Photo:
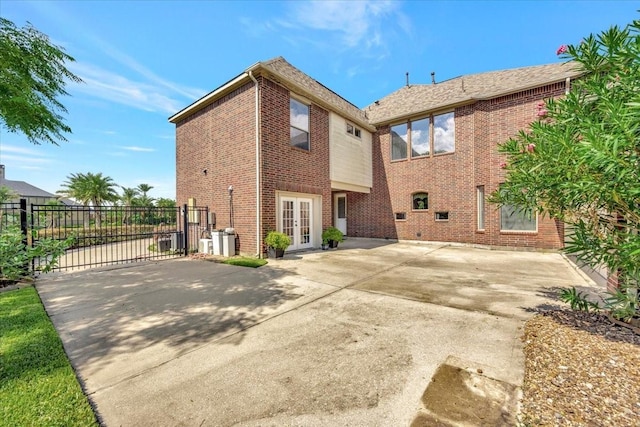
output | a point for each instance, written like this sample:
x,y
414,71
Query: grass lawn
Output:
x,y
37,384
245,262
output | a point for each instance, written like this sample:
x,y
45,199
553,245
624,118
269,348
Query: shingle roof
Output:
x,y
280,67
25,189
415,99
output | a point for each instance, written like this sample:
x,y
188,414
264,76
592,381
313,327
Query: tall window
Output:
x,y
399,142
420,141
299,121
516,219
480,206
444,133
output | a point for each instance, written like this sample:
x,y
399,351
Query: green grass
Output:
x,y
38,387
245,262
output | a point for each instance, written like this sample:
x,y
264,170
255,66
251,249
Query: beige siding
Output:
x,y
351,164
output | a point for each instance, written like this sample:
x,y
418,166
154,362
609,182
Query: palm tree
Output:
x,y
91,190
144,189
128,198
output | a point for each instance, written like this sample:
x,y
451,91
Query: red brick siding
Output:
x,y
221,139
286,168
451,180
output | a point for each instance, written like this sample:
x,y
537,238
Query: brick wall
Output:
x,y
451,180
221,139
286,168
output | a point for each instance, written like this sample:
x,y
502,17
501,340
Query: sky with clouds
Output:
x,y
142,61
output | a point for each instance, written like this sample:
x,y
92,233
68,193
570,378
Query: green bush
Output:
x,y
332,233
277,240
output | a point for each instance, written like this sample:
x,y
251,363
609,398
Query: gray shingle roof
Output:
x,y
313,88
25,189
416,99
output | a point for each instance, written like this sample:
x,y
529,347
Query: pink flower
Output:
x,y
562,49
540,105
542,113
531,148
503,165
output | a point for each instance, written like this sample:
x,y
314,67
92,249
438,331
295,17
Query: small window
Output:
x,y
401,216
420,201
357,132
299,124
480,206
442,216
349,129
516,219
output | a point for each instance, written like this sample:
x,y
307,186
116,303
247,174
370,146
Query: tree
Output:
x,y
129,197
32,76
580,162
90,189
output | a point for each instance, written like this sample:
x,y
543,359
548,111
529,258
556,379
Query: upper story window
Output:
x,y
420,141
424,137
444,133
399,141
299,121
352,130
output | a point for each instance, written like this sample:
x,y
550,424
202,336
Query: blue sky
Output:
x,y
142,61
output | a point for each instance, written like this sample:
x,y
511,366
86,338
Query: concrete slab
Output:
x,y
346,337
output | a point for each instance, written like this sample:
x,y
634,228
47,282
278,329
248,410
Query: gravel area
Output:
x,y
580,370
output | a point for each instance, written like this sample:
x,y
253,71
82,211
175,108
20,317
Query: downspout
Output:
x,y
258,189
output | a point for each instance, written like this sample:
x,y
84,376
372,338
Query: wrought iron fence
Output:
x,y
98,236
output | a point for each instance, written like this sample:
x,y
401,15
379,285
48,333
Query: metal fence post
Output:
x,y
185,225
23,220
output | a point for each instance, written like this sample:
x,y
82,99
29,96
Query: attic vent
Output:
x,y
433,77
407,73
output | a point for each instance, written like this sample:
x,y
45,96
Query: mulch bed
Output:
x,y
580,370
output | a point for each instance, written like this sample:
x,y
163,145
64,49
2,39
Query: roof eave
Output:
x,y
211,97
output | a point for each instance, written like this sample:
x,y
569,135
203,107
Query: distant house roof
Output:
x,y
414,99
25,189
279,70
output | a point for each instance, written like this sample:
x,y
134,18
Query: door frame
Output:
x,y
316,214
336,221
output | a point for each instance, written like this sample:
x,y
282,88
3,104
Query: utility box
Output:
x,y
177,241
205,246
164,245
216,237
228,243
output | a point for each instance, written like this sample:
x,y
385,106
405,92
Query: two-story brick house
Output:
x,y
415,165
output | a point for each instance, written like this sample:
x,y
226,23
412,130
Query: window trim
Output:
x,y
413,209
480,208
503,231
408,123
353,130
441,220
395,216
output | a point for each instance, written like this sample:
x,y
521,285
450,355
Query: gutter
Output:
x,y
258,171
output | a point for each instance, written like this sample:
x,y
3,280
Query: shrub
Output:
x,y
277,240
332,233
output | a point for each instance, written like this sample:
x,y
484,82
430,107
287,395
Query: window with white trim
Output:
x,y
352,130
299,124
517,219
480,206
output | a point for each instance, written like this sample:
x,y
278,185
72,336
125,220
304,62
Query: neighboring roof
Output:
x,y
25,189
282,72
414,99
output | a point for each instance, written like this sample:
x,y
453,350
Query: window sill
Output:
x,y
444,154
300,149
399,160
524,232
420,210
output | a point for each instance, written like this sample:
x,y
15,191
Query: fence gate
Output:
x,y
99,236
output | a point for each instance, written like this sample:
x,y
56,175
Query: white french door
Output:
x,y
296,221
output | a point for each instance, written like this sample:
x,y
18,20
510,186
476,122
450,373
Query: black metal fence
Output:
x,y
107,235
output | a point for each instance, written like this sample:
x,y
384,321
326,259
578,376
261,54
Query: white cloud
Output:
x,y
139,149
20,150
116,88
25,160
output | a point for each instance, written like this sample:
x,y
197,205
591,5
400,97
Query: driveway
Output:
x,y
346,337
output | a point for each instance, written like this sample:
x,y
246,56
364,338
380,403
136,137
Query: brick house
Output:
x,y
417,164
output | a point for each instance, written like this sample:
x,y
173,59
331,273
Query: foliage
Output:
x,y
245,262
577,300
332,233
89,188
7,194
623,303
580,162
38,387
16,255
32,76
277,240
